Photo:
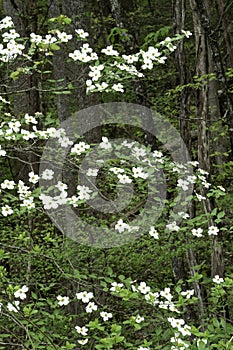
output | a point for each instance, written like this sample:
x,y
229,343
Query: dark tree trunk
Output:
x,y
206,44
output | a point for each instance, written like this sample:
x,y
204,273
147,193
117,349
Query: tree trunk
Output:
x,y
117,12
222,14
179,13
205,45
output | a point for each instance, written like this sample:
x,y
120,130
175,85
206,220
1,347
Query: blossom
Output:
x,y
82,330
109,51
200,197
6,22
152,298
28,203
173,226
91,307
197,232
96,68
62,198
183,184
84,296
12,50
90,86
14,125
166,294
191,179
187,33
202,171
130,58
61,186
185,330
213,230
139,152
176,323
9,135
23,190
105,143
124,179
49,39
142,348
65,141
153,232
148,64
74,201
83,341
81,33
118,87
11,35
116,170
80,148
35,38
116,286
92,172
218,279
13,306
2,99
83,192
222,188
94,74
21,293
128,144
62,300
179,342
30,119
63,36
53,132
6,210
106,315
101,87
164,304
143,288
137,172
47,174
2,152
139,319
121,226
86,48
188,293
27,135
48,202
183,215
82,55
33,178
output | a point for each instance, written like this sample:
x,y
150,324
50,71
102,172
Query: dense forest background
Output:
x,y
193,89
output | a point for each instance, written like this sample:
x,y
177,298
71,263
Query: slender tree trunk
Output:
x,y
205,44
179,13
222,13
117,12
226,30
24,15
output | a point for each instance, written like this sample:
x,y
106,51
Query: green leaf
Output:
x,y
54,47
221,214
15,75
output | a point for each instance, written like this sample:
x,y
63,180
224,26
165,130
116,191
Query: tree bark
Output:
x,y
206,45
226,30
117,12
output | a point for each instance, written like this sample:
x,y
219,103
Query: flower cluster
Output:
x,y
18,294
11,49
